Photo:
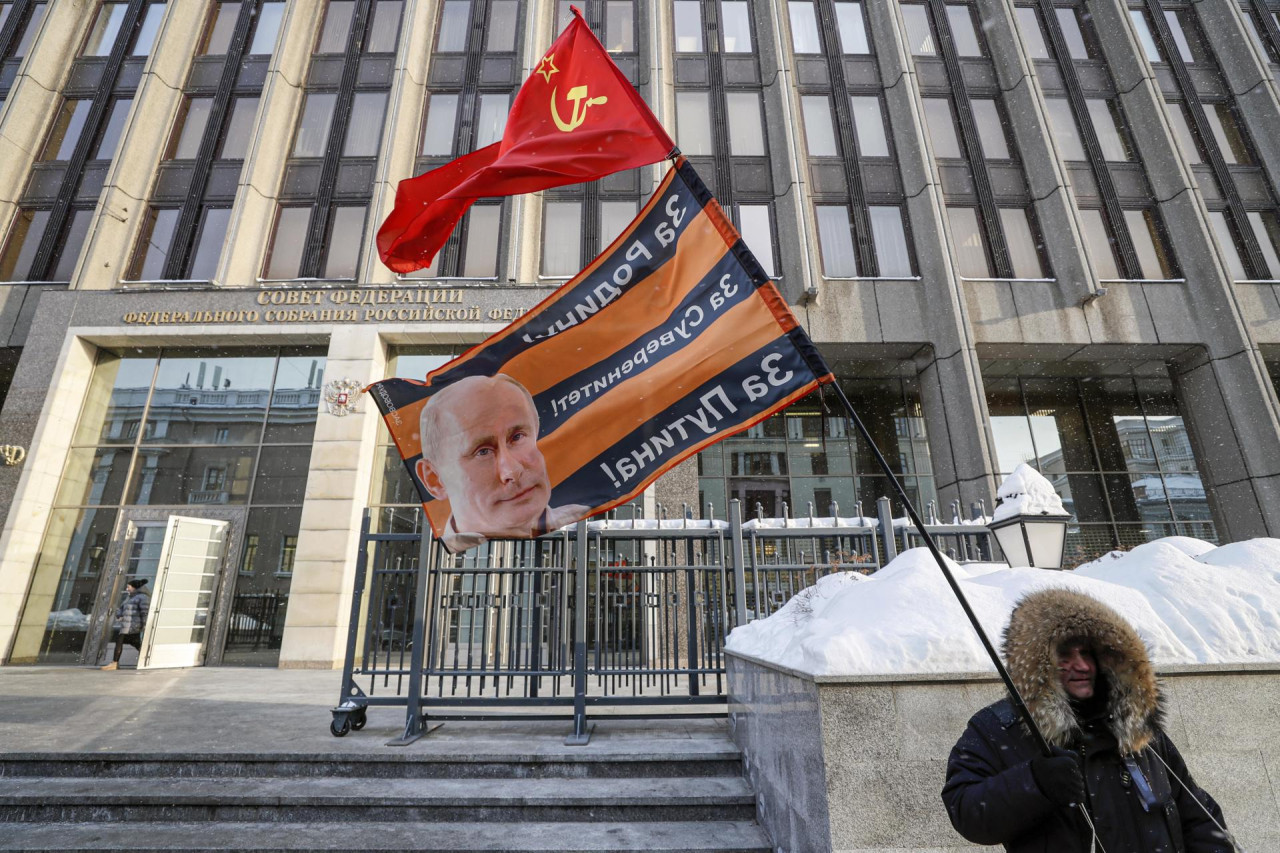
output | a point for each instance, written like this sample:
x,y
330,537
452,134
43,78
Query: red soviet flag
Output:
x,y
576,118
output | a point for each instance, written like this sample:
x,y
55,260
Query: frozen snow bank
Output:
x,y
1190,602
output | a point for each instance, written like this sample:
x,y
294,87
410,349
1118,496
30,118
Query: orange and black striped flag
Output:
x,y
671,340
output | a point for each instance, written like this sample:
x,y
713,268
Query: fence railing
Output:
x,y
630,612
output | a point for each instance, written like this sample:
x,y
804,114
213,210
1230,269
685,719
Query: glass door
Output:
x,y
186,577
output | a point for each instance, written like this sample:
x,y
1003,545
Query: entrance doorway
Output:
x,y
187,558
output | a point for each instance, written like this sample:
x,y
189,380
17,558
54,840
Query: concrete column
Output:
x,y
122,206
342,463
1226,395
951,382
254,213
34,98
40,413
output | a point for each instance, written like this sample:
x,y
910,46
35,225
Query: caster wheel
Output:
x,y
358,721
340,730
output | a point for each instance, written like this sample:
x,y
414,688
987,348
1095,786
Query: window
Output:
x,y
455,20
819,130
288,549
620,26
890,241
1148,244
962,31
561,239
804,27
1098,243
211,236
835,239
384,29
313,127
1032,35
1227,133
1182,130
503,21
364,130
757,232
251,541
110,139
66,129
235,140
868,123
28,32
266,29
437,133
919,35
220,30
693,121
1227,243
1266,228
346,234
614,217
853,28
284,256
494,109
214,478
153,249
1073,34
735,26
193,116
746,133
1142,26
1063,125
1263,45
482,231
106,25
146,37
942,127
971,254
20,249
688,24
1109,126
69,252
1024,248
1186,36
337,26
990,129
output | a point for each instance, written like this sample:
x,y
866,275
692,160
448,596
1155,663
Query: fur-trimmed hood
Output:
x,y
1044,619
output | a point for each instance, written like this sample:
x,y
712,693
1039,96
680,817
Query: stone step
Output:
x,y
740,836
50,800
704,761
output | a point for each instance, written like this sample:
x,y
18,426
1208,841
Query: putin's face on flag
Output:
x,y
480,453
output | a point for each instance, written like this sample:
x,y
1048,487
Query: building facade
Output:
x,y
1043,232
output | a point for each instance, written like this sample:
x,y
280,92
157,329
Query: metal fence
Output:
x,y
630,613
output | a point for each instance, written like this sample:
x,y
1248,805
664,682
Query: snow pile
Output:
x,y
1189,601
1027,492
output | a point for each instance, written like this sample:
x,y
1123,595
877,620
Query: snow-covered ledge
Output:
x,y
846,702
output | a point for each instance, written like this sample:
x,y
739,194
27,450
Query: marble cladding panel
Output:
x,y
859,766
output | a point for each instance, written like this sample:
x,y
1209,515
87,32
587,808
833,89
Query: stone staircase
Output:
x,y
678,796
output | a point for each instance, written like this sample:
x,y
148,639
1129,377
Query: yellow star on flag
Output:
x,y
548,67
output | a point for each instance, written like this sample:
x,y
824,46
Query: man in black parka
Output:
x,y
1086,678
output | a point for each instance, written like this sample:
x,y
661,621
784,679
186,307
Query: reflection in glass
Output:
x,y
890,241
919,35
346,232
69,252
1266,229
221,29
102,35
1182,129
117,396
1024,249
735,26
110,139
255,626
284,257
437,134
235,141
65,131
313,127
835,239
189,128
1098,241
94,476
266,29
295,400
1227,132
211,237
1227,244
688,26
1107,123
191,476
282,475
620,26
1145,38
971,254
146,38
209,398
1148,244
24,239
28,32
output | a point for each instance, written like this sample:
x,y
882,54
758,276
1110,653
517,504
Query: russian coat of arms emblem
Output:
x,y
342,397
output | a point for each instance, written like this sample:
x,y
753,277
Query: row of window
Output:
x,y
365,110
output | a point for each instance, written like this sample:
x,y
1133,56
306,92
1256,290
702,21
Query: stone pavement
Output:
x,y
74,709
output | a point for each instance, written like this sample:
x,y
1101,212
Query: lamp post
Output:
x,y
1037,540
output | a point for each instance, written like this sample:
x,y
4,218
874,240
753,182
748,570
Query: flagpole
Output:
x,y
946,572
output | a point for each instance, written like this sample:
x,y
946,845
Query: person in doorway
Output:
x,y
132,615
480,452
1088,682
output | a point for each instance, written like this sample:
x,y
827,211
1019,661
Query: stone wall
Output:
x,y
857,764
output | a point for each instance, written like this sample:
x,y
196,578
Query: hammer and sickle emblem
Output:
x,y
576,94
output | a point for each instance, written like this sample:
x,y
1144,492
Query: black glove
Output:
x,y
1059,777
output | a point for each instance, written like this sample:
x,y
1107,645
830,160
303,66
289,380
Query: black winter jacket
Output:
x,y
992,798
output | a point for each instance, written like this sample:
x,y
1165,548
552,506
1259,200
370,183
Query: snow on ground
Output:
x,y
1190,601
